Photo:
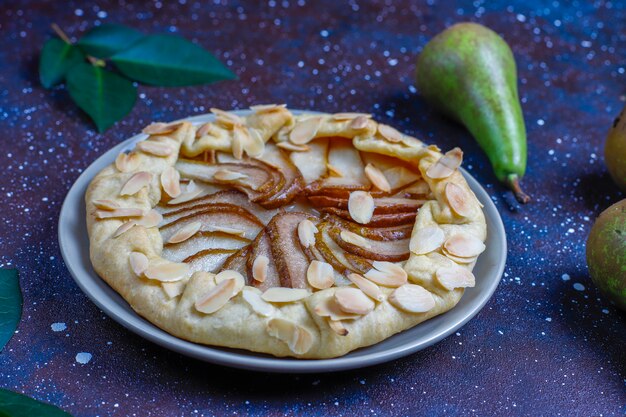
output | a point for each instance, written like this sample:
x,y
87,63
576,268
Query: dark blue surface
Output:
x,y
546,344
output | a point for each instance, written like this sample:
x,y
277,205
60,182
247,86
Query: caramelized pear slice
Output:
x,y
293,184
391,251
383,205
375,233
312,163
261,246
291,261
243,175
208,260
237,261
177,252
378,220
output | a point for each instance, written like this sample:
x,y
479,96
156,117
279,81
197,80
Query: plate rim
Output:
x,y
250,360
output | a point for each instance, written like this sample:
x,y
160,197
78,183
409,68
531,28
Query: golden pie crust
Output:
x,y
127,246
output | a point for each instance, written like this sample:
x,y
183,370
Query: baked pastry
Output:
x,y
306,236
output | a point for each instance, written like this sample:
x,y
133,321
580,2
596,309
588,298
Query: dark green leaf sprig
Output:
x,y
98,70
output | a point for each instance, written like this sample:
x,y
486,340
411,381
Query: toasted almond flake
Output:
x,y
185,232
226,274
353,300
368,287
387,274
107,205
174,289
412,298
229,119
155,148
297,337
160,128
217,297
458,259
306,233
458,199
203,130
359,123
151,219
455,277
328,307
293,147
349,116
259,268
389,133
426,240
320,275
125,227
138,263
167,271
267,108
257,304
170,181
446,165
464,245
136,182
377,178
119,213
191,192
304,131
354,239
253,145
284,295
228,175
337,327
237,142
361,206
227,230
127,162
333,171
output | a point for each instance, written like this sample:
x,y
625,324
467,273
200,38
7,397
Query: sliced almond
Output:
x,y
333,171
412,298
306,233
328,307
284,295
138,263
458,199
173,289
455,277
389,133
170,181
237,142
446,165
338,327
227,274
257,304
107,205
293,147
458,259
127,162
226,118
160,128
426,240
359,122
259,268
124,228
354,239
167,271
353,300
227,230
155,148
216,298
361,206
297,337
349,116
305,131
377,178
136,182
228,175
151,219
185,232
267,108
320,275
368,287
464,245
203,130
387,274
191,192
119,213
254,145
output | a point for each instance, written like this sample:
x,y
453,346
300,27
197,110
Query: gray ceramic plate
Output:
x,y
74,245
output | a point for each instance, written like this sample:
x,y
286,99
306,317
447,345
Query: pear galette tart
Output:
x,y
306,236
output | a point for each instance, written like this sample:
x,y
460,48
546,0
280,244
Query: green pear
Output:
x,y
469,73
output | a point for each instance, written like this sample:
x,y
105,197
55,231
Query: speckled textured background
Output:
x,y
546,344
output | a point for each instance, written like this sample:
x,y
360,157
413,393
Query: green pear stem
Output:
x,y
512,181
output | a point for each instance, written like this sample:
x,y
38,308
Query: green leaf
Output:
x,y
106,40
13,404
105,96
57,57
10,304
170,61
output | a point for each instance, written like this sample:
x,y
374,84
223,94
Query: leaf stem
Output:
x,y
60,33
